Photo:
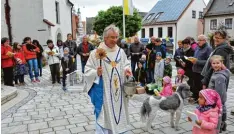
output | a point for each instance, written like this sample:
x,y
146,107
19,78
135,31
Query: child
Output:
x,y
150,63
167,67
66,63
20,68
219,82
143,60
140,74
208,112
52,54
159,69
167,87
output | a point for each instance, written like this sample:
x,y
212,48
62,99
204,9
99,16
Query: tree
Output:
x,y
114,15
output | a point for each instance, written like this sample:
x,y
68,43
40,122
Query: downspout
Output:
x,y
8,19
174,48
71,21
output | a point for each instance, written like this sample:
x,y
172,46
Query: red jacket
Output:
x,y
6,60
29,54
21,56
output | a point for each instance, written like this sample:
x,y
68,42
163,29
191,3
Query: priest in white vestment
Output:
x,y
104,80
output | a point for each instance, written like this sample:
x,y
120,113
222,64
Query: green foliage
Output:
x,y
114,15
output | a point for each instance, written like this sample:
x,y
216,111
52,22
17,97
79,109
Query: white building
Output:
x,y
218,13
176,19
38,19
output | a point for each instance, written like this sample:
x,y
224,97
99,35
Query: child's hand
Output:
x,y
67,69
189,119
199,122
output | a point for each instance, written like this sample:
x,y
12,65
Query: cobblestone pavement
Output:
x,y
53,111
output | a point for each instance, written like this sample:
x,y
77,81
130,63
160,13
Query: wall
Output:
x,y
220,19
65,18
4,31
200,26
187,26
26,19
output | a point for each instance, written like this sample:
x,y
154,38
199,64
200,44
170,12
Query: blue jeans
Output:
x,y
133,66
150,75
39,60
83,63
33,64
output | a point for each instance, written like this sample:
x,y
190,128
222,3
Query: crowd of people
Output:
x,y
198,64
28,57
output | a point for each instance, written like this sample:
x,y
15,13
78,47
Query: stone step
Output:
x,y
8,93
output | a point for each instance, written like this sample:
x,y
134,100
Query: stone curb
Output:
x,y
8,94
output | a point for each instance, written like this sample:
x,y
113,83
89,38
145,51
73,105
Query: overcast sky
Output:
x,y
90,8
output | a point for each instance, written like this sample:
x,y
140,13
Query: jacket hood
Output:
x,y
225,72
226,48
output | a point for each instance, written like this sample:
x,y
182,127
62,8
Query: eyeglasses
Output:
x,y
200,40
114,37
217,38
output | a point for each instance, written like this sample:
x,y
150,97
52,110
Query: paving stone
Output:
x,y
138,125
77,120
37,126
56,114
39,120
77,130
14,129
19,114
4,125
230,128
25,118
137,131
56,123
29,122
33,113
87,132
39,116
82,124
46,130
7,120
168,130
15,123
48,119
71,126
49,133
63,132
186,126
90,127
59,128
34,132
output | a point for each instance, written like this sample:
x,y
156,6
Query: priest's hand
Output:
x,y
99,71
128,72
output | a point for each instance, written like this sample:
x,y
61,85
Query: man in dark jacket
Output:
x,y
136,50
178,53
150,63
201,54
84,50
72,49
158,47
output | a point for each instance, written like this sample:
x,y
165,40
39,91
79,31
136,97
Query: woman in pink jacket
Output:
x,y
208,112
167,87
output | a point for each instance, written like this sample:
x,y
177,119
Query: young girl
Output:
x,y
20,68
159,69
167,87
140,74
66,63
208,112
219,82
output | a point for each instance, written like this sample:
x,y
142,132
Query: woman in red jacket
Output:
x,y
7,61
30,52
20,68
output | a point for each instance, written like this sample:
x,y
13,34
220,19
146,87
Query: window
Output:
x,y
200,15
142,33
156,17
57,12
194,14
169,31
228,23
160,32
149,16
213,24
151,32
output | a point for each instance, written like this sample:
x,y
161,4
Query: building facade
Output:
x,y
38,19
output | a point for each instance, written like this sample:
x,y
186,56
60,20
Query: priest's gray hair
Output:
x,y
109,28
202,36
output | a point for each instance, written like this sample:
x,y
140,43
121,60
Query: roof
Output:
x,y
142,14
48,22
70,2
219,7
166,11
